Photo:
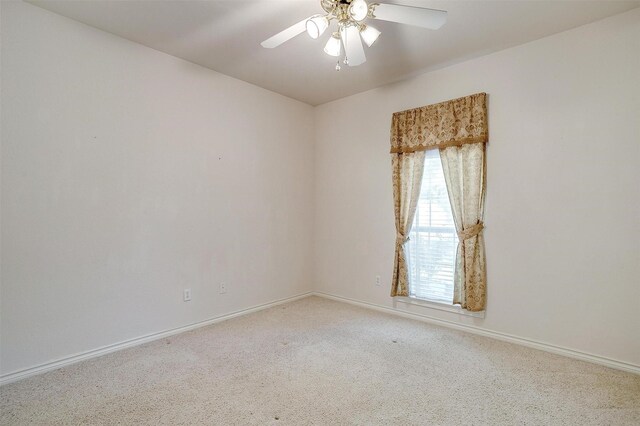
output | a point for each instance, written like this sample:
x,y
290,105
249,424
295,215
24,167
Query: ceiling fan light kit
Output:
x,y
351,31
358,10
369,34
334,45
317,25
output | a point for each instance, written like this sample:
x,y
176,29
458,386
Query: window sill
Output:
x,y
439,306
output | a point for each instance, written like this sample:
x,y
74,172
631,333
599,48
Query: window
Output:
x,y
431,249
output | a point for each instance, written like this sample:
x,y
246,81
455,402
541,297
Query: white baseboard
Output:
x,y
72,359
571,353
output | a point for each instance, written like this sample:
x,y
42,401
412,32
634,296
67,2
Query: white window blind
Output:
x,y
431,249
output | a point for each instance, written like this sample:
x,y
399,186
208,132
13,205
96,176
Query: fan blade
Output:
x,y
285,35
352,45
420,17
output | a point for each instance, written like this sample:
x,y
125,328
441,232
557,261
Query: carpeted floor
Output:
x,y
321,362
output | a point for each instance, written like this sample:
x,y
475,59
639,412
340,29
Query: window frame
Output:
x,y
440,306
442,228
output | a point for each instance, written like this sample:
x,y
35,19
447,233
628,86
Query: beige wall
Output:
x,y
129,175
563,201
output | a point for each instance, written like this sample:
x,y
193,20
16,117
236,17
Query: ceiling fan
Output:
x,y
351,30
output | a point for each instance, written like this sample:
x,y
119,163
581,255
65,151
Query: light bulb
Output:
x,y
316,25
333,47
369,34
358,10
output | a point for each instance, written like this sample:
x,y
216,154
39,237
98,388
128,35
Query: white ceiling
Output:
x,y
225,35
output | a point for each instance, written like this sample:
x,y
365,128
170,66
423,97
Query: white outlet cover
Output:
x,y
223,288
186,294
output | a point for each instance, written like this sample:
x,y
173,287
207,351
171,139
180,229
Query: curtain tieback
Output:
x,y
471,232
401,239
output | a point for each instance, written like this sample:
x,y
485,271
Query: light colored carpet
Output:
x,y
316,361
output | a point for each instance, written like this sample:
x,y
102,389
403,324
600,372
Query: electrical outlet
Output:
x,y
223,287
378,280
186,295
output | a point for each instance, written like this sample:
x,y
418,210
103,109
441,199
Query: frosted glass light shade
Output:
x,y
369,35
358,10
317,25
333,46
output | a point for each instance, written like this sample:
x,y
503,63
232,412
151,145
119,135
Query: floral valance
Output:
x,y
455,122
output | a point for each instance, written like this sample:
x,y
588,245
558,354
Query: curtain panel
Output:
x,y
458,129
464,173
407,180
